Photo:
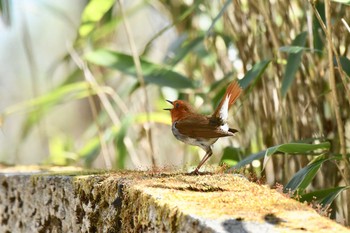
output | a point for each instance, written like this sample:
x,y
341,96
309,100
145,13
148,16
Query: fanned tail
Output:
x,y
232,93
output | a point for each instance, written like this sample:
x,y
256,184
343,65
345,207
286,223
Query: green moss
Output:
x,y
147,213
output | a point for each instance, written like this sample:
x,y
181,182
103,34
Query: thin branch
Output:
x,y
332,81
106,104
328,30
269,25
104,148
104,100
140,77
127,141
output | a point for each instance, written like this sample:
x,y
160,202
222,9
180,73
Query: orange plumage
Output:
x,y
203,131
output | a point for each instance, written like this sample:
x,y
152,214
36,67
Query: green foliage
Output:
x,y
297,49
304,176
345,63
60,148
219,88
325,197
119,142
183,49
40,106
247,160
302,179
92,14
153,73
219,15
90,151
292,148
5,12
117,135
254,74
293,61
288,148
231,156
316,27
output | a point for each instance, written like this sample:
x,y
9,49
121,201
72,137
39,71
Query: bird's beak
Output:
x,y
171,102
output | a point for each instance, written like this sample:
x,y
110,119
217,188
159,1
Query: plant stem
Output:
x,y
140,77
341,71
336,106
104,147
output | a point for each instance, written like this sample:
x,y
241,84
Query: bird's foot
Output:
x,y
195,172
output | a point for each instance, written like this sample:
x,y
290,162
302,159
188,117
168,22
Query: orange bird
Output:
x,y
203,131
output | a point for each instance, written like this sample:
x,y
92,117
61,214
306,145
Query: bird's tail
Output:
x,y
232,93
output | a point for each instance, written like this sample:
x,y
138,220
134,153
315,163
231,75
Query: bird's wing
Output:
x,y
198,126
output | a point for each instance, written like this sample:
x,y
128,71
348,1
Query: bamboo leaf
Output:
x,y
345,63
300,148
219,88
297,49
67,92
222,11
188,11
297,148
317,32
119,142
231,156
292,49
247,160
254,73
285,148
182,49
293,63
153,73
38,107
304,176
93,13
325,196
110,25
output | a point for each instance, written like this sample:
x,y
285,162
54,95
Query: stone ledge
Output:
x,y
49,201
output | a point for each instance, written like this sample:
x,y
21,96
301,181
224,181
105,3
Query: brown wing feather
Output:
x,y
198,126
234,90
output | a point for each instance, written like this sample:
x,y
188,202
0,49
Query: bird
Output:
x,y
203,131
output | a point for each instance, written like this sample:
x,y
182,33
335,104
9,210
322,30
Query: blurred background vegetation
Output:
x,y
84,83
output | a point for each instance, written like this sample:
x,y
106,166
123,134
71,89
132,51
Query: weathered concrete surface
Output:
x,y
46,201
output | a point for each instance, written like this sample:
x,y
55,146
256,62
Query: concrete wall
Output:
x,y
39,200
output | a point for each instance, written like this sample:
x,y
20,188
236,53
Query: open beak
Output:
x,y
171,102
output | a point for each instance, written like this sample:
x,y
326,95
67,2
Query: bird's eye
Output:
x,y
177,105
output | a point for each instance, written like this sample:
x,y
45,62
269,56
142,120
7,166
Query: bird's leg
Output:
x,y
205,158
